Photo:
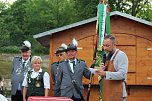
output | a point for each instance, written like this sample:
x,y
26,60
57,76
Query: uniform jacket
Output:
x,y
54,73
67,88
121,67
18,73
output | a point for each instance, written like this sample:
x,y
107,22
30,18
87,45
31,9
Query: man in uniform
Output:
x,y
72,71
20,66
115,71
61,56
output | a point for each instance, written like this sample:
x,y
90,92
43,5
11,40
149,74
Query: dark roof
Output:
x,y
45,35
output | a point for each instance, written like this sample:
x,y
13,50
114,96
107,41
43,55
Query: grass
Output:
x,y
5,69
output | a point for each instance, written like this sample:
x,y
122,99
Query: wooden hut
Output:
x,y
134,37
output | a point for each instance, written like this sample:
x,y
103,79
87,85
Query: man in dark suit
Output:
x,y
61,56
20,66
73,70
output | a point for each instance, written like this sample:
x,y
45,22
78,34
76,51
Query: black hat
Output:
x,y
71,47
26,45
60,50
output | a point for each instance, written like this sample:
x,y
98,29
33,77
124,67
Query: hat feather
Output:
x,y
27,44
64,45
74,41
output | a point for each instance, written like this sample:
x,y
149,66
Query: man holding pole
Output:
x,y
114,71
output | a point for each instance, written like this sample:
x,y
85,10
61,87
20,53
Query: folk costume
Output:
x,y
19,70
72,71
55,70
36,82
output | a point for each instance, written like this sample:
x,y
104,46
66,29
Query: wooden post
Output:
x,y
51,92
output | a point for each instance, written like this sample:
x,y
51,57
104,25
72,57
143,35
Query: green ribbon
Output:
x,y
103,27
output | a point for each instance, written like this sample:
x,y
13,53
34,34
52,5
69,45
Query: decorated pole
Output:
x,y
103,27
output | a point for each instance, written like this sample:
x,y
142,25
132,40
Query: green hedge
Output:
x,y
9,49
36,49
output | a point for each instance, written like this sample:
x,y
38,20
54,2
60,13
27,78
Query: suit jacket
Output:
x,y
18,73
54,73
67,88
121,67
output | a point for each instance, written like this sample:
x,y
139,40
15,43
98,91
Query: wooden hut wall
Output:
x,y
134,38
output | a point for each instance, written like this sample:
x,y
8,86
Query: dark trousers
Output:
x,y
2,90
18,96
76,99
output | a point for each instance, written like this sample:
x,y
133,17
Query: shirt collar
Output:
x,y
72,60
40,70
25,60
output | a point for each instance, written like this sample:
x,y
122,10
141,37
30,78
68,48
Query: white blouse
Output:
x,y
46,78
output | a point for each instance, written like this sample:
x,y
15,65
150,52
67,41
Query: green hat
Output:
x,y
71,47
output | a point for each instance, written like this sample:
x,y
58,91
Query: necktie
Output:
x,y
73,62
23,65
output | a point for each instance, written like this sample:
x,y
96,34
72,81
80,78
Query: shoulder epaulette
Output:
x,y
53,63
18,58
62,61
79,60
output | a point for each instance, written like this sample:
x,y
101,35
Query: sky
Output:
x,y
10,1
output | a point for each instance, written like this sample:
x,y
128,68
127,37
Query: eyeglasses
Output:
x,y
106,45
59,55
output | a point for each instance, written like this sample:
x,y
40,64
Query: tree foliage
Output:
x,y
24,18
4,33
139,8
